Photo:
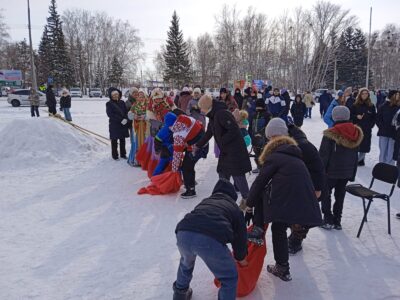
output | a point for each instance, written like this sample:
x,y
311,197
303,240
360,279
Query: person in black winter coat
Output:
x,y
298,111
316,169
204,232
339,154
324,101
386,130
284,191
363,114
51,101
65,104
285,95
118,120
257,130
395,96
239,98
234,160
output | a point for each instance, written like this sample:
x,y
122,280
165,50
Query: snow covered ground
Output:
x,y
73,227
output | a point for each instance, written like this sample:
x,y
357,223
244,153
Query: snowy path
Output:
x,y
77,230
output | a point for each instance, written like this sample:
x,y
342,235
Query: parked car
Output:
x,y
318,93
75,92
95,92
21,98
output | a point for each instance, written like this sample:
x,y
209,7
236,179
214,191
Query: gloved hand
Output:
x,y
248,216
124,121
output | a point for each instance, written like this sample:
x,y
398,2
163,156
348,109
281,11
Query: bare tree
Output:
x,y
205,60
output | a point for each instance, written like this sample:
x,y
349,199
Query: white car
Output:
x,y
75,92
95,92
21,98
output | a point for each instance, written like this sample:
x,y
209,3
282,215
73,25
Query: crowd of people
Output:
x,y
296,182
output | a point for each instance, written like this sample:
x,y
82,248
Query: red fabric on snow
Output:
x,y
165,183
248,276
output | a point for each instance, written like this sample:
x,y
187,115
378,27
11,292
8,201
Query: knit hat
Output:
x,y
340,113
260,103
340,93
223,90
185,89
276,127
224,186
197,91
392,93
205,102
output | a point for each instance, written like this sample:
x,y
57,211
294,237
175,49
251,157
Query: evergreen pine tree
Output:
x,y
116,70
98,77
352,58
54,59
176,55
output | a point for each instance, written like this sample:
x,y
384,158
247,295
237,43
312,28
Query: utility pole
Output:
x,y
33,72
369,48
335,75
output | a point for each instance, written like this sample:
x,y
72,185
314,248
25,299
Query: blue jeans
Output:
x,y
386,148
308,112
67,114
134,142
216,256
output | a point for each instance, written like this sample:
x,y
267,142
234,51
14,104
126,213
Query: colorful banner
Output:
x,y
239,84
10,75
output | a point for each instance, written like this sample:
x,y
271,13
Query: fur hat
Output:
x,y
223,90
205,102
276,127
197,91
340,113
133,90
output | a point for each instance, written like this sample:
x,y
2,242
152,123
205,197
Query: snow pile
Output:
x,y
42,141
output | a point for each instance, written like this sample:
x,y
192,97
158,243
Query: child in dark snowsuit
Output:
x,y
339,154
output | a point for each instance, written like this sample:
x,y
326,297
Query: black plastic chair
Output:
x,y
382,172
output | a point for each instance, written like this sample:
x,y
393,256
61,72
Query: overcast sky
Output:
x,y
152,17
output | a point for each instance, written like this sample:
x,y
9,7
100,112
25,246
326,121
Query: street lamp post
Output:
x,y
369,48
33,72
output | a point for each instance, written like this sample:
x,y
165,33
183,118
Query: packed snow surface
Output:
x,y
73,227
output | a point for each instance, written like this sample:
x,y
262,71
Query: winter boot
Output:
x,y
361,163
182,294
280,271
328,222
256,235
190,193
294,245
336,223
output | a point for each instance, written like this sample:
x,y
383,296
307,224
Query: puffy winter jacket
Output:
x,y
276,106
366,123
291,198
384,120
339,150
219,217
65,102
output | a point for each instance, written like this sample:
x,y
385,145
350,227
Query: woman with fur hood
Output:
x,y
339,154
282,194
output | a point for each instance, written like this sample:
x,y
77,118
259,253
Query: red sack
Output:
x,y
165,183
248,276
144,154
